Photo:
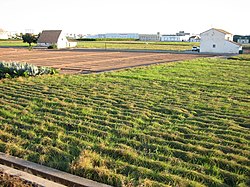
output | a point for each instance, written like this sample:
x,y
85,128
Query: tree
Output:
x,y
29,38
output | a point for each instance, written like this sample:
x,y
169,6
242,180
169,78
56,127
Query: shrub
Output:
x,y
15,69
53,46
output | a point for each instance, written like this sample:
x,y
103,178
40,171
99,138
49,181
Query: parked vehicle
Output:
x,y
195,48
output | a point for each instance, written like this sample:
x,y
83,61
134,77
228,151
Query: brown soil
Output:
x,y
86,61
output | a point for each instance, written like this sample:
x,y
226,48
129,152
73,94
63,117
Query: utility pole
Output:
x,y
105,42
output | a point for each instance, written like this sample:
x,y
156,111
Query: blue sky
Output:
x,y
140,16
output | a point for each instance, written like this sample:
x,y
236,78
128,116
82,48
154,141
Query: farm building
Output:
x,y
54,37
150,37
3,34
218,41
174,38
115,36
195,38
178,37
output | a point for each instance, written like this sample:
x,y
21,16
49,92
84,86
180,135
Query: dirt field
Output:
x,y
86,61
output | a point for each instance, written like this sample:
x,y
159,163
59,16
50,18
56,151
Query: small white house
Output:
x,y
218,41
194,38
54,37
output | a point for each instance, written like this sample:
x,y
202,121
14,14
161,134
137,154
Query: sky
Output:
x,y
125,16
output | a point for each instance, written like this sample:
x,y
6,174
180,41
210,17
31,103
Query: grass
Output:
x,y
241,57
14,43
178,124
246,46
176,46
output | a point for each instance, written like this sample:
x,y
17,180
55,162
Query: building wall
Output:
x,y
115,35
122,35
194,40
149,37
170,38
174,38
44,44
62,42
243,41
213,41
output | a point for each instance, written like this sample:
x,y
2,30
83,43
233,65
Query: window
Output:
x,y
214,45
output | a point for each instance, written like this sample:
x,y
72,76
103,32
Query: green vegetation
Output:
x,y
244,57
53,46
15,69
14,43
172,46
176,46
29,38
179,124
246,46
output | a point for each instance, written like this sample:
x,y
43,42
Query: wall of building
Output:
x,y
213,41
174,38
243,41
115,35
149,37
62,41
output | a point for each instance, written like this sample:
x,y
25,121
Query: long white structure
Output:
x,y
181,36
115,36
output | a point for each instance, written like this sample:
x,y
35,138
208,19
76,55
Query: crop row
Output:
x,y
180,124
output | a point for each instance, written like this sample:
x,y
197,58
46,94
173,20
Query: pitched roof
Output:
x,y
49,36
234,42
219,30
222,31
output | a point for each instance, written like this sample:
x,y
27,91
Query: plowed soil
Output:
x,y
88,61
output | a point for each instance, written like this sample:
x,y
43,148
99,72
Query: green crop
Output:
x,y
178,124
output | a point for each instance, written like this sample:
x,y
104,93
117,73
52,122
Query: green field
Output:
x,y
179,124
13,43
176,46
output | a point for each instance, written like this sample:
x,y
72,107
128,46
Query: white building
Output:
x,y
194,38
3,34
174,38
218,41
123,35
150,37
244,40
54,37
114,36
178,37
